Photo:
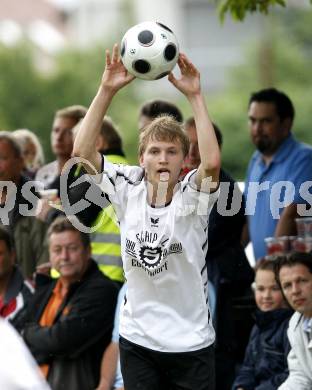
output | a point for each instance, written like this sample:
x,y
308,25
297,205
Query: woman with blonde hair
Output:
x,y
32,151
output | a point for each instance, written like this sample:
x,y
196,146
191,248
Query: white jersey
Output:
x,y
18,369
163,251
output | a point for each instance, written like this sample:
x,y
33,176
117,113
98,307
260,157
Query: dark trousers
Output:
x,y
145,369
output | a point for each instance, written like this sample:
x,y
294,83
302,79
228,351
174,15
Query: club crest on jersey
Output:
x,y
150,257
154,222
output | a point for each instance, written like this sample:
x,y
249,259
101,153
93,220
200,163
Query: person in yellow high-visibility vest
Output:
x,y
105,240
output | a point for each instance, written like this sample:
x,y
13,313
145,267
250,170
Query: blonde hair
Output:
x,y
76,112
25,136
163,128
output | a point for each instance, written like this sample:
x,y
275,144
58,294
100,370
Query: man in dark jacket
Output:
x,y
228,268
70,320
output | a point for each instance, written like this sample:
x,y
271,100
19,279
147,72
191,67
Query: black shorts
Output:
x,y
145,369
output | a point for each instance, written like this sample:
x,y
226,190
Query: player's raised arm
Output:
x,y
189,85
115,77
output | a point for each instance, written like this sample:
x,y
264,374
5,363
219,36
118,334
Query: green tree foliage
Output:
x,y
21,90
238,9
29,99
282,60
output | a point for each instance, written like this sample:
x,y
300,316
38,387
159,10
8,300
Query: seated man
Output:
x,y
294,274
15,292
71,318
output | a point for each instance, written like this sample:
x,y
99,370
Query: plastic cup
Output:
x,y
276,246
298,245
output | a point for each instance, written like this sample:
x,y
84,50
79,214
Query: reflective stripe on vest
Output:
x,y
98,237
110,260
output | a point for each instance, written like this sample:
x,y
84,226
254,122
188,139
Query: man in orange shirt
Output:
x,y
71,318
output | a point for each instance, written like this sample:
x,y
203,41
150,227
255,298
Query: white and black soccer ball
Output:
x,y
149,50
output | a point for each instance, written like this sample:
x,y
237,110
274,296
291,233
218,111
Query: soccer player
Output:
x,y
166,332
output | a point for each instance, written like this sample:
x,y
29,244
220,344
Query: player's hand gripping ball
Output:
x,y
149,50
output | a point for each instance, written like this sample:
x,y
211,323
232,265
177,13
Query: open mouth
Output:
x,y
163,174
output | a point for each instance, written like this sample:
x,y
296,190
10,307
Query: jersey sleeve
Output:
x,y
115,180
199,200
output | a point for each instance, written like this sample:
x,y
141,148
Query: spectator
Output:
x,y
61,143
27,231
31,151
15,292
62,146
265,363
294,273
228,269
279,158
151,110
69,323
18,370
